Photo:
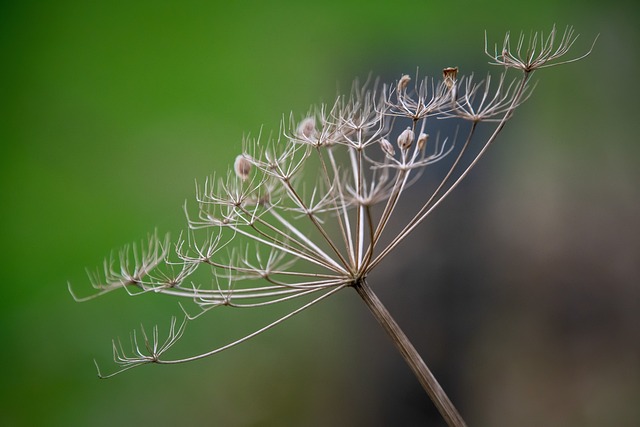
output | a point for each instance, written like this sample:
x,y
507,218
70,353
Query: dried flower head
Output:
x,y
540,52
294,219
307,127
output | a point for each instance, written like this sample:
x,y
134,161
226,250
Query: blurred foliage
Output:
x,y
110,110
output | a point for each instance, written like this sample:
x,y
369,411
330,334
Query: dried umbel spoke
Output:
x,y
300,217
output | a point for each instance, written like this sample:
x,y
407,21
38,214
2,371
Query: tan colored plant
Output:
x,y
272,234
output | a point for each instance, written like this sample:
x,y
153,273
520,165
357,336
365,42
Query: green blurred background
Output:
x,y
521,293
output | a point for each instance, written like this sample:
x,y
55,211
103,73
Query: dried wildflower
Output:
x,y
295,229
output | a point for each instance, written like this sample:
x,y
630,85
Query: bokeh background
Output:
x,y
521,292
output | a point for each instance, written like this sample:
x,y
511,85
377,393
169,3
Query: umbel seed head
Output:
x,y
299,218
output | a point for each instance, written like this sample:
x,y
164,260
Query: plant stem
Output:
x,y
410,354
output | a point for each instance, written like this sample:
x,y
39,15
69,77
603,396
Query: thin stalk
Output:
x,y
410,355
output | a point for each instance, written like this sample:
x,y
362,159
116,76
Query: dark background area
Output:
x,y
521,291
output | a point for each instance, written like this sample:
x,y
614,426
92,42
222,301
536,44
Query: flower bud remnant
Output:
x,y
405,139
242,167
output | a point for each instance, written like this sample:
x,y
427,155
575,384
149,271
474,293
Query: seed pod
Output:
x,y
422,141
403,83
387,147
405,139
449,76
307,128
242,167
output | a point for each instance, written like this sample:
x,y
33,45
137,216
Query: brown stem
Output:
x,y
410,355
